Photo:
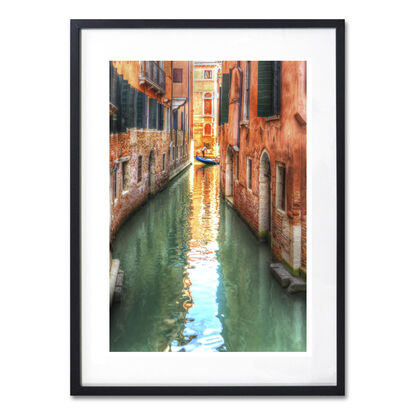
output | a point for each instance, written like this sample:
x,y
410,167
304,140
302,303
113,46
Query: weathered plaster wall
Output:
x,y
284,140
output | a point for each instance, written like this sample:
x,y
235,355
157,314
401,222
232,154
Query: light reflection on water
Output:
x,y
196,279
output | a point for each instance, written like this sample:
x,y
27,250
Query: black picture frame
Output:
x,y
76,387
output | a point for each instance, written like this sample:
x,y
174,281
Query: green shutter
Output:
x,y
135,109
141,110
160,117
152,121
276,90
225,98
265,88
125,104
118,103
132,92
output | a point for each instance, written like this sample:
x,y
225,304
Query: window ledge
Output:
x,y
244,123
124,192
272,118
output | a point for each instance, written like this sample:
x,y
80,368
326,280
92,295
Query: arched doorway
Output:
x,y
229,173
264,208
151,173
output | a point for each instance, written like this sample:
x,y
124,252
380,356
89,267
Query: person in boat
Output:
x,y
203,151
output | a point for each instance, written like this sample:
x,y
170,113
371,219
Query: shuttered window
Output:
x,y
269,88
224,107
131,112
141,110
125,105
152,115
160,117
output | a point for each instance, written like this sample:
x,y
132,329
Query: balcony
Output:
x,y
152,76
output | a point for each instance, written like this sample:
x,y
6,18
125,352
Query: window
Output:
x,y
139,169
164,161
175,120
269,88
207,103
140,110
249,173
207,129
125,175
181,121
207,74
247,85
160,110
224,104
177,75
280,194
152,113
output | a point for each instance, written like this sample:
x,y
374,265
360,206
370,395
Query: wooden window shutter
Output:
x,y
124,105
225,98
276,88
160,116
152,121
135,109
131,107
141,110
265,88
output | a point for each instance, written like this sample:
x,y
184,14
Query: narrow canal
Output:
x,y
197,279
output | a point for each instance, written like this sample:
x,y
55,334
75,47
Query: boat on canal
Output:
x,y
208,160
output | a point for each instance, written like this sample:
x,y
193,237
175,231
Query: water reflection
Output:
x,y
198,280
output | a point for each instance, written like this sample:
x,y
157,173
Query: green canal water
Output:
x,y
197,279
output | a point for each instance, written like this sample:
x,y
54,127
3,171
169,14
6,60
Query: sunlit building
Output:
x,y
205,107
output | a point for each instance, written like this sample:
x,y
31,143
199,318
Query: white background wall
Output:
x,y
34,304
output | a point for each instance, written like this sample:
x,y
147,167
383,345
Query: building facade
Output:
x,y
145,152
262,136
182,124
206,95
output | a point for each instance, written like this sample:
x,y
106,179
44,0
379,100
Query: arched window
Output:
x,y
207,129
207,103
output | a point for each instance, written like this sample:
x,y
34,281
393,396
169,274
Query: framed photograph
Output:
x,y
207,207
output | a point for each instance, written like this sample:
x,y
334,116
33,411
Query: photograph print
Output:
x,y
208,202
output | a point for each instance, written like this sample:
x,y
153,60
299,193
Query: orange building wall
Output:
x,y
284,140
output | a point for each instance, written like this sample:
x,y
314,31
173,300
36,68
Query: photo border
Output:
x,y
76,387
